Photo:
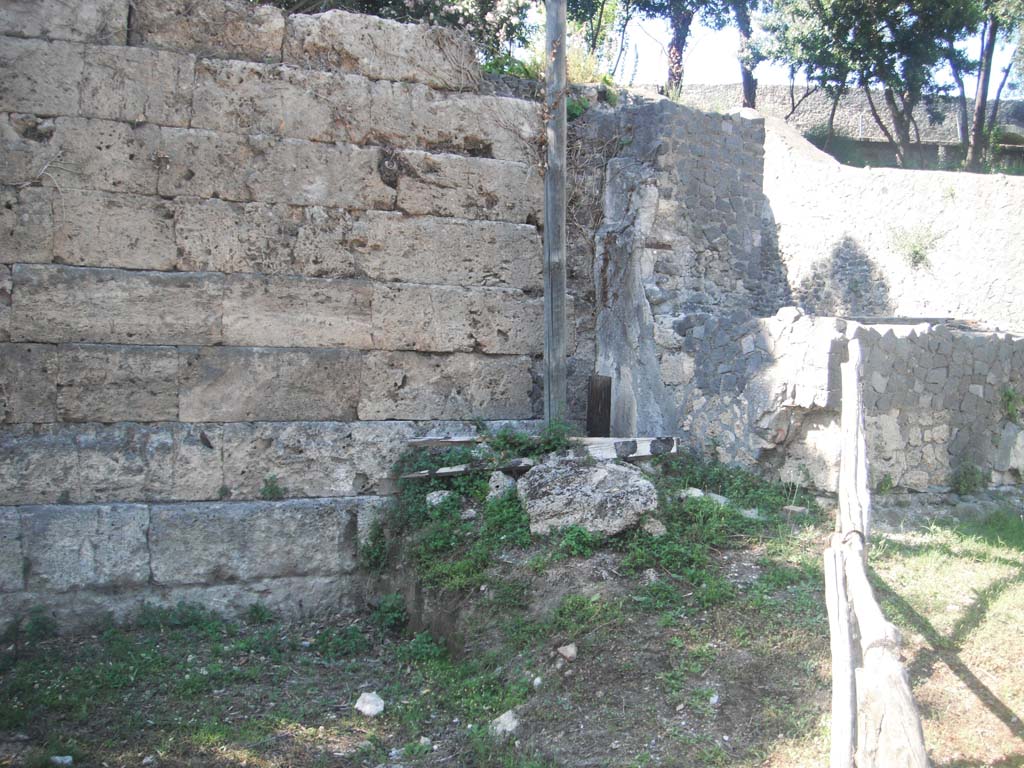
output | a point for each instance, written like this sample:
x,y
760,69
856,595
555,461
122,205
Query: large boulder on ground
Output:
x,y
604,498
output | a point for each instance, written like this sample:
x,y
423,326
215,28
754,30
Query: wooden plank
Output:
x,y
599,406
854,493
554,218
889,733
844,697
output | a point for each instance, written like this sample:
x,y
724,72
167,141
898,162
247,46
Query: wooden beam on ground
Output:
x,y
555,346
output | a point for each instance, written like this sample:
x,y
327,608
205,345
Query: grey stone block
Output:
x,y
38,464
289,598
93,21
404,385
382,49
137,85
101,229
73,547
26,225
297,312
56,304
28,383
5,302
107,383
12,564
268,384
213,543
41,78
232,29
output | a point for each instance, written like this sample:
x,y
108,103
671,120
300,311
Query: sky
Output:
x,y
710,57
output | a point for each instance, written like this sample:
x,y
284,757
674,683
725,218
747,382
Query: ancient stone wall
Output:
x,y
885,242
236,245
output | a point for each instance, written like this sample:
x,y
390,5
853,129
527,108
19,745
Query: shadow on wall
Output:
x,y
846,283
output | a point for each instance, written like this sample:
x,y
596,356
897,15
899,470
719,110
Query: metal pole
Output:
x,y
554,218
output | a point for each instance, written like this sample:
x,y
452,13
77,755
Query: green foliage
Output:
x,y
575,107
258,613
967,478
373,554
181,616
390,614
658,596
577,615
334,643
224,493
507,64
885,485
577,541
39,625
1013,404
271,490
914,244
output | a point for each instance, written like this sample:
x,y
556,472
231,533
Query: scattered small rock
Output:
x,y
717,498
654,527
149,760
650,576
505,725
62,760
537,683
498,483
425,742
568,652
370,704
468,514
751,514
438,497
691,493
713,701
794,509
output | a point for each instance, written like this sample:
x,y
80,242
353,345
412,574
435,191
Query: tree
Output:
x,y
680,15
749,55
887,48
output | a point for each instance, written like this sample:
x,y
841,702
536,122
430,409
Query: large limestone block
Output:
x,y
270,239
449,318
26,225
469,187
408,385
92,21
101,229
144,462
5,302
41,77
72,547
1010,452
267,169
393,247
268,384
12,573
54,303
79,153
604,498
382,49
38,464
297,312
28,383
231,29
138,85
293,597
246,541
107,383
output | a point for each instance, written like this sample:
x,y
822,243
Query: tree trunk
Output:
x,y
680,22
962,127
978,138
830,134
742,14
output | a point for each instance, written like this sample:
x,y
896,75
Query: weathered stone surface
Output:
x,y
137,85
38,464
28,383
404,385
242,97
77,611
289,598
258,237
297,312
604,498
382,49
1010,453
499,483
447,318
93,21
100,229
41,77
99,546
268,384
469,187
107,383
146,462
263,168
26,225
424,249
5,302
54,303
247,541
232,29
79,153
11,563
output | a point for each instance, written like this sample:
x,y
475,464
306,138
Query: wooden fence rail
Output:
x,y
875,722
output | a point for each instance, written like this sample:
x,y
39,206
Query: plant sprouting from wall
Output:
x,y
1013,404
914,244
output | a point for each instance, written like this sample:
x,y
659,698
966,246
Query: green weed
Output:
x,y
333,643
577,541
1013,404
966,479
271,489
390,614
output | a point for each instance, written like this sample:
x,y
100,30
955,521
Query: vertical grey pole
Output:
x,y
554,218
